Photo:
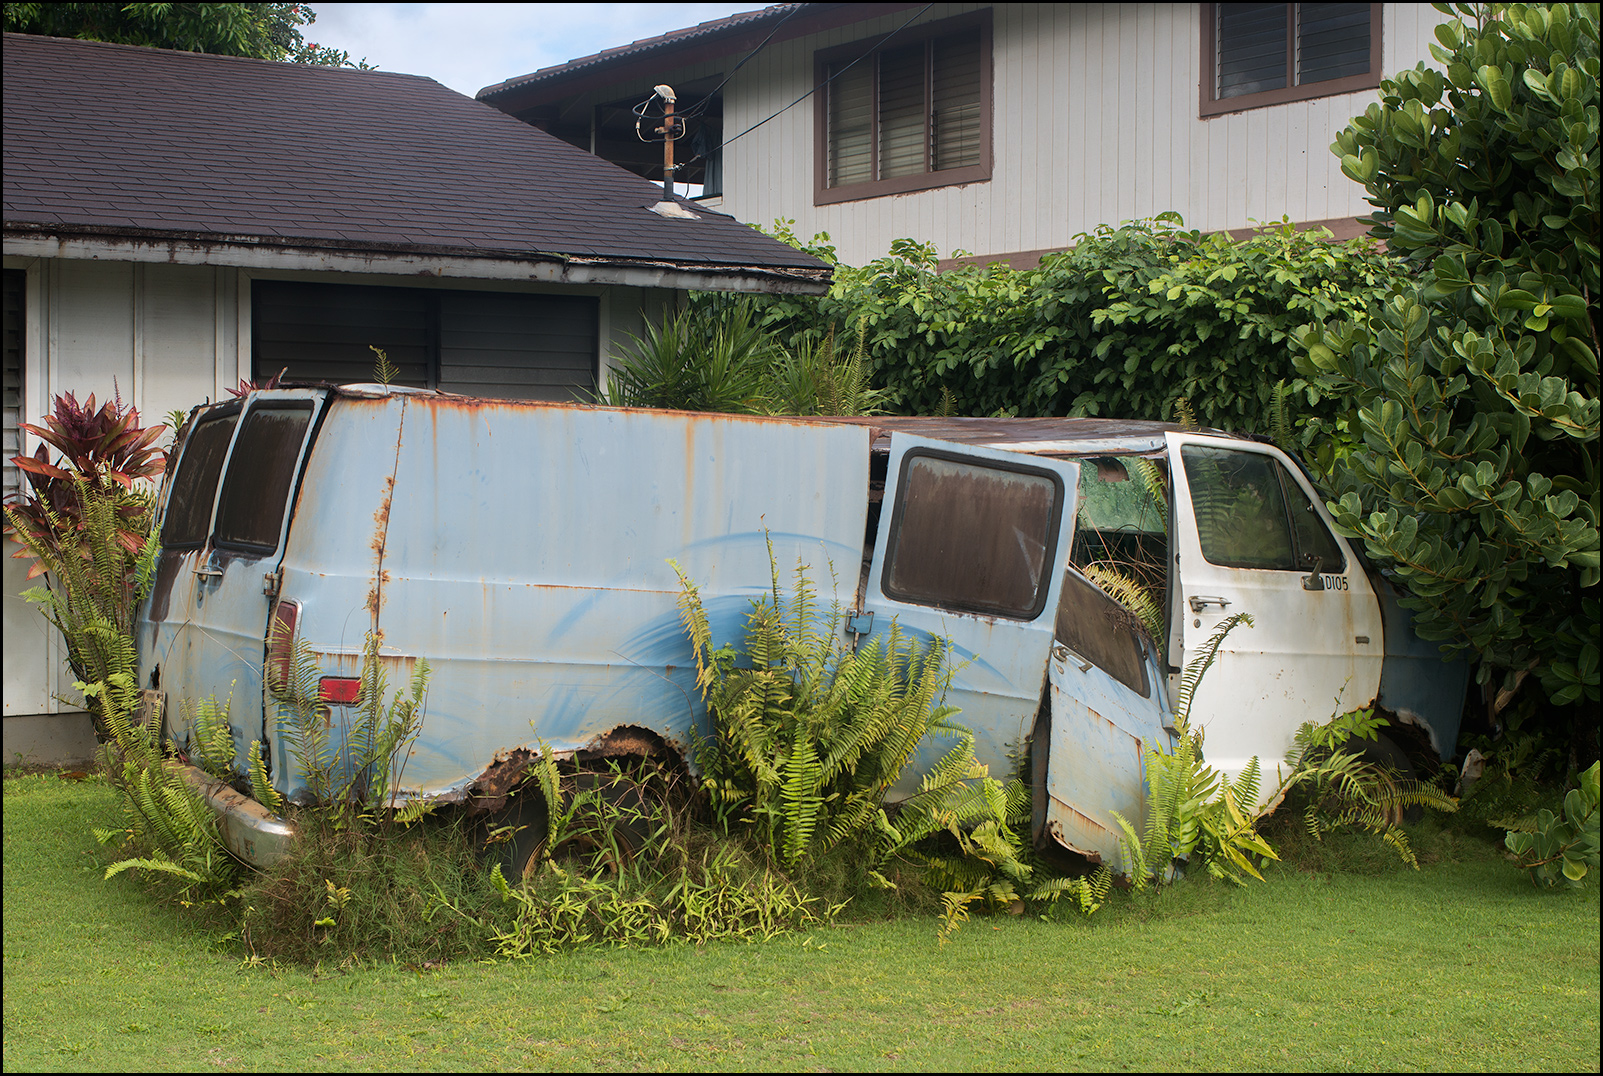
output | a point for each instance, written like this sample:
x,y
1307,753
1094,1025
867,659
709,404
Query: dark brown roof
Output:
x,y
651,57
674,39
123,140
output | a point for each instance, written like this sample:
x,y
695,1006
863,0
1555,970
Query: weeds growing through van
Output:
x,y
351,758
1190,807
624,863
809,734
171,832
1343,787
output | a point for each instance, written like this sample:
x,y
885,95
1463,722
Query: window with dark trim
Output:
x,y
1103,632
1270,54
508,345
973,535
907,113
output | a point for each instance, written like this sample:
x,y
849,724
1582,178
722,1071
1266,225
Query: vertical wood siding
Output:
x,y
1095,123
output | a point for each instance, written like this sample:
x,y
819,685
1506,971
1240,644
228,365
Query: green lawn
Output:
x,y
1459,966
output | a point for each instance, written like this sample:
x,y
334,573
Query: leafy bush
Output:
x,y
717,356
1472,393
1124,324
86,524
1559,846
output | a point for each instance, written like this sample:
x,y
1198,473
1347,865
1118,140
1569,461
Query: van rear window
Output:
x,y
973,535
189,505
250,513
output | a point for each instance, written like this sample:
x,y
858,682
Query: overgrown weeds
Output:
x,y
809,735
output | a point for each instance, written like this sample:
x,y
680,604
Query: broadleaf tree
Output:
x,y
262,31
1473,391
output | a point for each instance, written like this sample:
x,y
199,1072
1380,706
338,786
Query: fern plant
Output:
x,y
810,735
363,766
100,563
170,829
1190,807
1344,787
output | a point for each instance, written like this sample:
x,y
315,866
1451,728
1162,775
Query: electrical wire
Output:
x,y
701,106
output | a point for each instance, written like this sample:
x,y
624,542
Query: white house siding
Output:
x,y
1095,122
165,337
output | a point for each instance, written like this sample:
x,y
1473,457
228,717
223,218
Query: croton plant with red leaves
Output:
x,y
104,446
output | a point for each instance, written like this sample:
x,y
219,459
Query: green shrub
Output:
x,y
1472,392
1126,323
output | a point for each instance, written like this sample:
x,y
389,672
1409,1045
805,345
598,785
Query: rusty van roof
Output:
x,y
1038,436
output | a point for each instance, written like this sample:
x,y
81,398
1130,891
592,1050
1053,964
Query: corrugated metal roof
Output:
x,y
745,20
119,140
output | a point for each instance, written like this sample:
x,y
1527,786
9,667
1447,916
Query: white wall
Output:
x,y
1095,122
166,337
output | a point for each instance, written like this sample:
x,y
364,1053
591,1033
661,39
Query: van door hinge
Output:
x,y
859,624
271,581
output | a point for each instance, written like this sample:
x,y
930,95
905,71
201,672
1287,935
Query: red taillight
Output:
x,y
339,689
281,645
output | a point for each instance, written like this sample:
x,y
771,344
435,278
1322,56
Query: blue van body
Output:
x,y
526,552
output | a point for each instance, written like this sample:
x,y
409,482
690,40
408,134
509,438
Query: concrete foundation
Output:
x,y
49,739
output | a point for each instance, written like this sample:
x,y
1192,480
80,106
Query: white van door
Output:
x,y
971,547
1252,536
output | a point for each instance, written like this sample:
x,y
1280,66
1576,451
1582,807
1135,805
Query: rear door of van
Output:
x,y
223,532
971,547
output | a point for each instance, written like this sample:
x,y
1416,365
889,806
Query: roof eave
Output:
x,y
98,243
648,59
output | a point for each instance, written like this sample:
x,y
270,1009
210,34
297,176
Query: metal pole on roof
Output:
x,y
668,134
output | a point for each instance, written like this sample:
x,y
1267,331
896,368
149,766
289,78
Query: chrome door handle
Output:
x,y
208,572
1201,602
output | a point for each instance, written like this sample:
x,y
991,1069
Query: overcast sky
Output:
x,y
470,46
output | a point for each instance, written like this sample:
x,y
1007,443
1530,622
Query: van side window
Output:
x,y
189,505
1103,632
1251,514
250,513
1313,537
973,536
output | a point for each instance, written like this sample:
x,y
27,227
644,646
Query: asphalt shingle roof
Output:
x,y
137,140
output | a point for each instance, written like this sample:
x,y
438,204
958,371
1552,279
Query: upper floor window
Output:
x,y
1270,54
909,114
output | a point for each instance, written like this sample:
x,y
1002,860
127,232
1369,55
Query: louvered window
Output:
x,y
507,345
906,114
1267,54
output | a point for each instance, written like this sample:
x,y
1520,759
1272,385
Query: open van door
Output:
x,y
971,546
1252,536
222,540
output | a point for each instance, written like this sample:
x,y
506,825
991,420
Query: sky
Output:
x,y
470,46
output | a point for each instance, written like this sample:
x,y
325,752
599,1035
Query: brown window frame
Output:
x,y
1219,106
823,193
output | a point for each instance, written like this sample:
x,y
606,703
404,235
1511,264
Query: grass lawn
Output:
x,y
1459,966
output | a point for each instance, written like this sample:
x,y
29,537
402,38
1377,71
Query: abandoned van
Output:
x,y
523,550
